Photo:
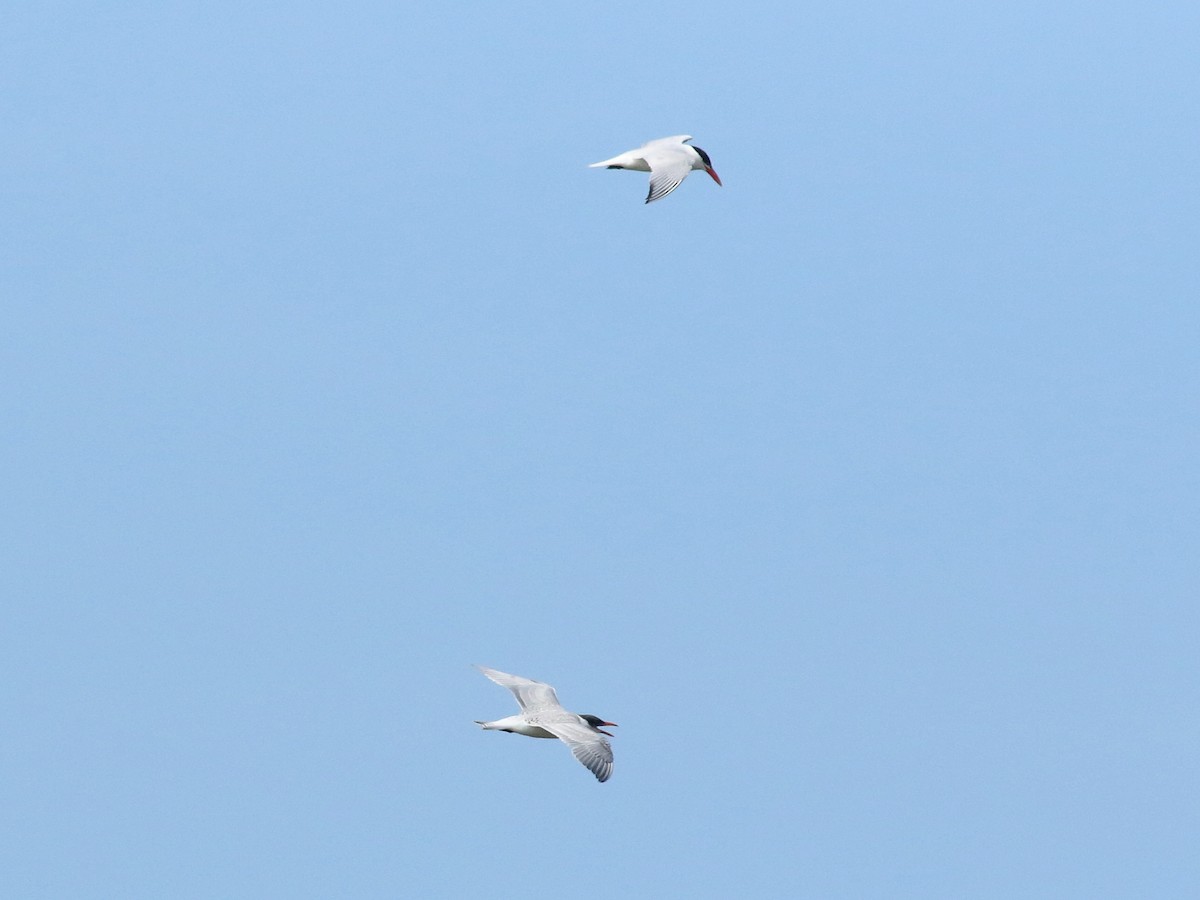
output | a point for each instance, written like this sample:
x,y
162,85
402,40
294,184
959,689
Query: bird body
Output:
x,y
668,160
542,716
516,725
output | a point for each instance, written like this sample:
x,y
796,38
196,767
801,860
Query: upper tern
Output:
x,y
668,160
542,716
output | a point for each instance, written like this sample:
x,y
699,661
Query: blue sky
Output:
x,y
862,492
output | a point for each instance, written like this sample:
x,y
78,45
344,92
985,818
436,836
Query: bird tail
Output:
x,y
480,724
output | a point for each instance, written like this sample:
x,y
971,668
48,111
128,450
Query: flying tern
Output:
x,y
668,160
542,716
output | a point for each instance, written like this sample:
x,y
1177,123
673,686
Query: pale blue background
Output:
x,y
862,492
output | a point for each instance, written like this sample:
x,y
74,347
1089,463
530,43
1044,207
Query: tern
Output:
x,y
668,160
542,716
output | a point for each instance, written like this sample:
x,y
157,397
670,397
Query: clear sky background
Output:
x,y
862,492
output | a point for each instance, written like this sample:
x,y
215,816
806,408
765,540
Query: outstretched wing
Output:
x,y
531,695
665,178
590,748
669,163
674,141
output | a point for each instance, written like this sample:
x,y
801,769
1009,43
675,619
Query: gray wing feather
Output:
x,y
660,186
530,694
673,141
591,749
667,172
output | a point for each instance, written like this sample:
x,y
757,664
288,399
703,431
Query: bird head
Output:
x,y
707,164
596,722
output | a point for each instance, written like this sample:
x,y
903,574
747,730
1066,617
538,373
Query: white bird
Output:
x,y
668,160
542,716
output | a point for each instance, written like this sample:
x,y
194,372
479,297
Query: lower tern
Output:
x,y
542,716
668,160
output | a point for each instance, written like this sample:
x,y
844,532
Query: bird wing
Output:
x,y
673,141
668,168
590,748
531,695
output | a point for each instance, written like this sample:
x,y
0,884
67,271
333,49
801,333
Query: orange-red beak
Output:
x,y
710,171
